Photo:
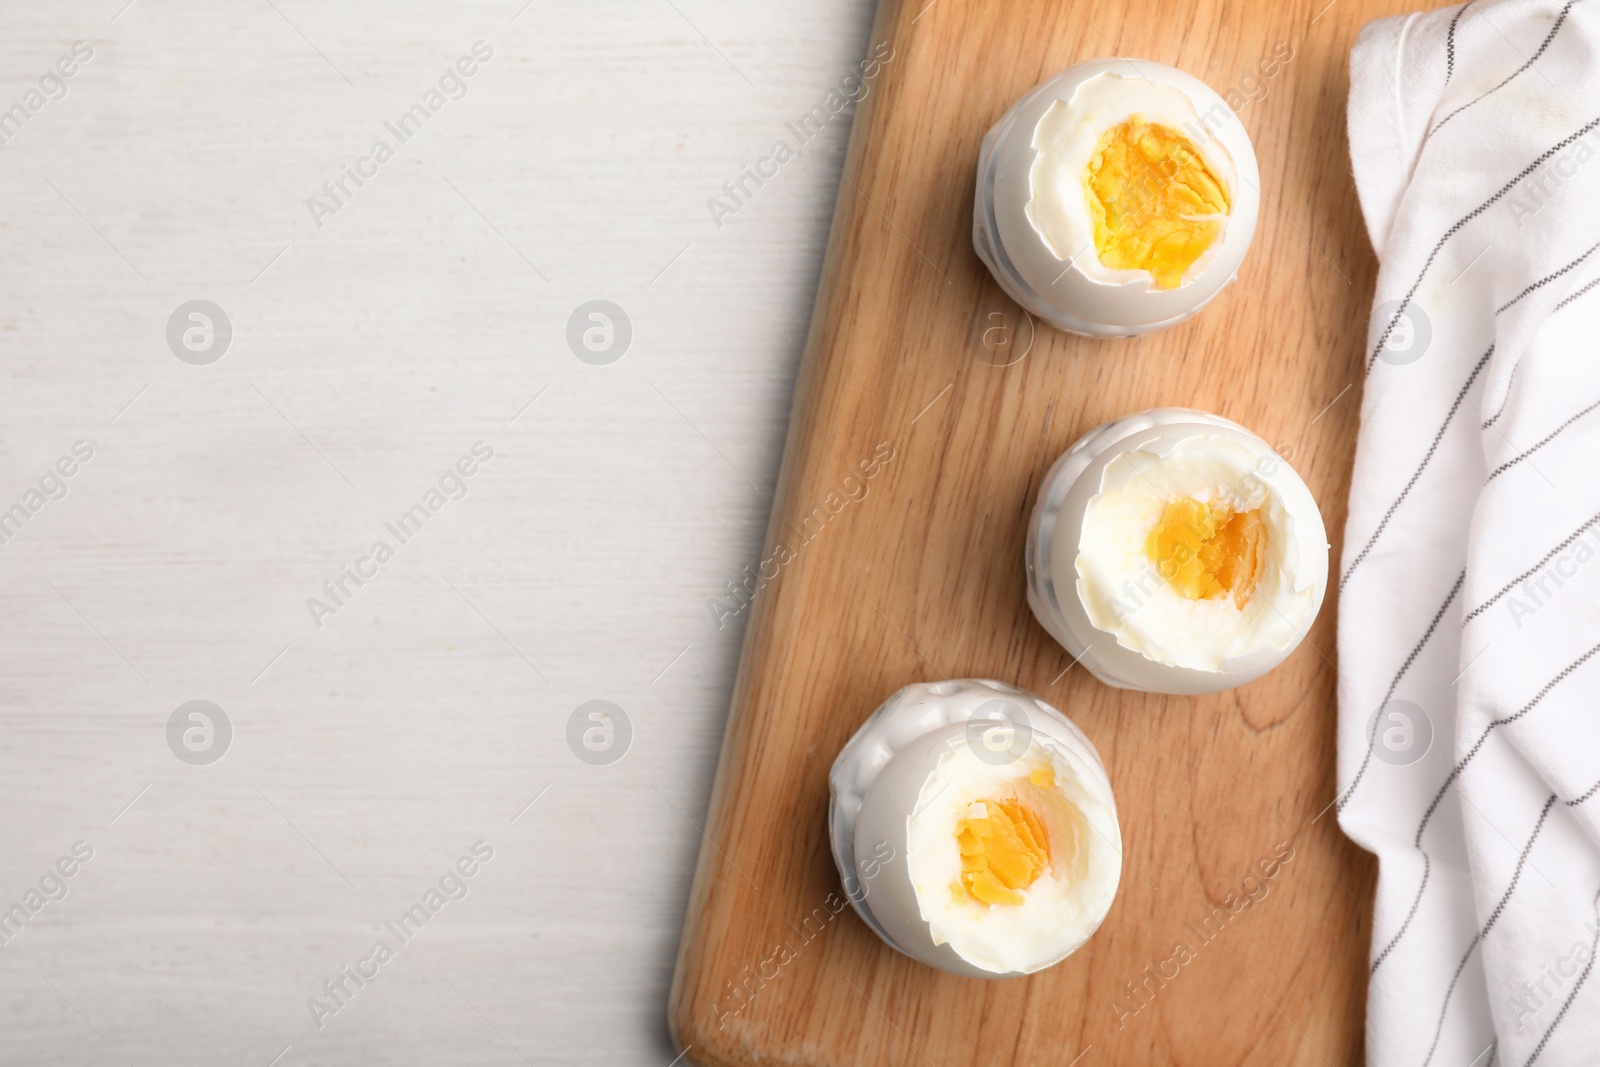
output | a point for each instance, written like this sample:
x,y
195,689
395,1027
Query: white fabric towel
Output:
x,y
1469,628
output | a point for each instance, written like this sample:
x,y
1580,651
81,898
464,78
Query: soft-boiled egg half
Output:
x,y
974,828
1175,552
1116,198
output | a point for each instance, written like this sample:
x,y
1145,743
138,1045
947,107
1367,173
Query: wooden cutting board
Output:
x,y
927,409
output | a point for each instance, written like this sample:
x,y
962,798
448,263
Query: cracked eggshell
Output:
x,y
878,777
1076,293
1055,531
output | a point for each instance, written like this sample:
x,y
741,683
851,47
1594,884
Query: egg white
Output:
x,y
1064,905
1032,225
1064,141
1124,594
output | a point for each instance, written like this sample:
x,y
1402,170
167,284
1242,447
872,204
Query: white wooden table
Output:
x,y
376,339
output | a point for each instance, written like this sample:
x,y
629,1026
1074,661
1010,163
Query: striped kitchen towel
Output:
x,y
1469,615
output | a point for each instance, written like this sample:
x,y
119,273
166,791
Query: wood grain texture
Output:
x,y
922,578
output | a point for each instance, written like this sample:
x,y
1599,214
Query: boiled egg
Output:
x,y
1176,552
1116,198
974,828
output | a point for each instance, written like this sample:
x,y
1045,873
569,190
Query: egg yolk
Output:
x,y
1003,850
1149,194
1206,551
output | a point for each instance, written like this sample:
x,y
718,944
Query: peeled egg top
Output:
x,y
1116,198
1004,857
1190,558
974,828
1116,182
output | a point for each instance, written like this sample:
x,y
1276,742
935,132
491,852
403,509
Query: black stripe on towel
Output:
x,y
1450,43
1426,459
1427,868
1531,571
1514,460
1494,198
1366,760
1554,29
1547,279
1456,773
1577,294
1494,917
1594,943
